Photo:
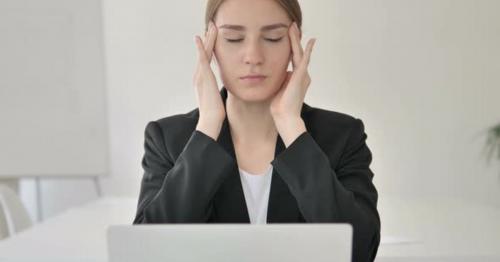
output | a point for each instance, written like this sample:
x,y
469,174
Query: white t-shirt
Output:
x,y
256,188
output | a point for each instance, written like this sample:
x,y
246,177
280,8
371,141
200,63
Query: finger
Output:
x,y
295,43
210,42
307,54
299,37
202,56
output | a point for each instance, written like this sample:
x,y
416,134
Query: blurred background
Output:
x,y
79,80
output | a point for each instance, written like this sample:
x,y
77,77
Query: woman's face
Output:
x,y
252,40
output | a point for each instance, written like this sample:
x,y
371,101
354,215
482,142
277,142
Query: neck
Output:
x,y
250,122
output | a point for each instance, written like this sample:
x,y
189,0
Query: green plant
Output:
x,y
493,142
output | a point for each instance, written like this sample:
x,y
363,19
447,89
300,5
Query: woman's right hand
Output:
x,y
211,107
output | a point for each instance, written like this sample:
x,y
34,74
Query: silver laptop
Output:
x,y
230,242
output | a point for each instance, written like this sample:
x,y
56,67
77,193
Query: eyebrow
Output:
x,y
263,29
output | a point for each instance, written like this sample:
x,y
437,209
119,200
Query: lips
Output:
x,y
253,77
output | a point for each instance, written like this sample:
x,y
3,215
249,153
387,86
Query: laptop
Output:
x,y
230,242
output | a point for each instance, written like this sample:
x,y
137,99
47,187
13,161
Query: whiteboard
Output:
x,y
53,117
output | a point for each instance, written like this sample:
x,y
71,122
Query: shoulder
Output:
x,y
178,123
321,121
335,132
173,131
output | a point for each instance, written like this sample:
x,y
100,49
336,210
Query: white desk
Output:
x,y
78,234
412,230
444,229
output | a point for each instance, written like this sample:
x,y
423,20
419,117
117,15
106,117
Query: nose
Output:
x,y
253,54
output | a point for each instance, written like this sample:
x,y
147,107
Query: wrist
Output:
x,y
209,128
290,128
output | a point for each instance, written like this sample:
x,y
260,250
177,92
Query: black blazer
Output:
x,y
323,176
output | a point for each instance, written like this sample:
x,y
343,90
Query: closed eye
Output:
x,y
234,40
274,40
267,39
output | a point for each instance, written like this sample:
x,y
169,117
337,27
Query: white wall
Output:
x,y
422,75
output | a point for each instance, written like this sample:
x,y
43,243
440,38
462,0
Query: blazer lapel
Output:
x,y
229,201
282,205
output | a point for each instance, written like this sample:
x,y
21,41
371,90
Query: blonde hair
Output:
x,y
291,7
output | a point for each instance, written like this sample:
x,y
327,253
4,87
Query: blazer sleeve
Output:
x,y
345,194
180,190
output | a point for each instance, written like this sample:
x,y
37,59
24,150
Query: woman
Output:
x,y
254,152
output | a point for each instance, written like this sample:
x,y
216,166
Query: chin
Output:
x,y
253,93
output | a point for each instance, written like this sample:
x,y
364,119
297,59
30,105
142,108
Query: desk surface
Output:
x,y
412,230
77,234
444,228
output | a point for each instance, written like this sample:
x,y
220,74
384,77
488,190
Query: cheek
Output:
x,y
225,63
221,57
281,56
224,54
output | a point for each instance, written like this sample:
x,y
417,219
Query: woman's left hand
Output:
x,y
287,103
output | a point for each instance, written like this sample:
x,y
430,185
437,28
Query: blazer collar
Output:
x,y
230,202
